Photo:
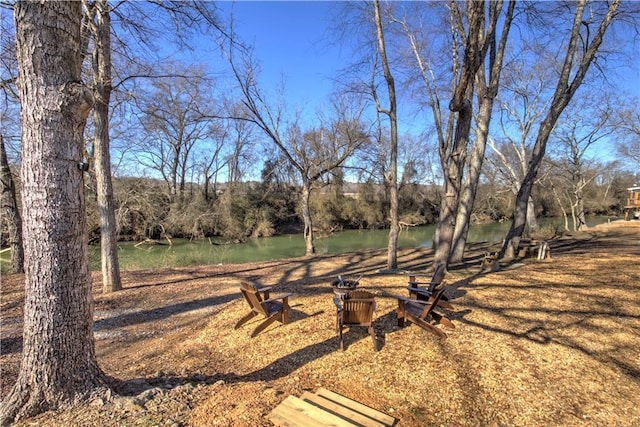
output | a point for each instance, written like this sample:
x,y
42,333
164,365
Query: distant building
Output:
x,y
632,209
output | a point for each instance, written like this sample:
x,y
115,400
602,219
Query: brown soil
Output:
x,y
552,342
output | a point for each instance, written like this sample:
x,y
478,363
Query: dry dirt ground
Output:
x,y
539,343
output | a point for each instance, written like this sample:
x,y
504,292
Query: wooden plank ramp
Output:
x,y
326,408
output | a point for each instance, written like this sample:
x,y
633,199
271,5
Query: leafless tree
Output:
x,y
177,115
587,124
471,42
522,103
391,177
97,21
629,147
487,85
581,49
311,153
9,131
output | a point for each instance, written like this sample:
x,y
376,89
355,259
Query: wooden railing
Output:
x,y
633,201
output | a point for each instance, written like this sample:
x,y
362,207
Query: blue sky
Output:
x,y
293,39
292,42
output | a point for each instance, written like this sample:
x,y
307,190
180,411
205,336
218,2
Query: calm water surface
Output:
x,y
197,252
184,252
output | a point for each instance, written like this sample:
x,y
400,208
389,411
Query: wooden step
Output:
x,y
295,412
326,408
373,414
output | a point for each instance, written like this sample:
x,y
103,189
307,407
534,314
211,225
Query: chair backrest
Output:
x,y
358,307
252,296
435,283
438,276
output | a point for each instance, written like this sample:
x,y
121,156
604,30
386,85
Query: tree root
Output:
x,y
24,401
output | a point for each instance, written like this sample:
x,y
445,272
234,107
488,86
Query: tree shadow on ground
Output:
x,y
282,367
159,313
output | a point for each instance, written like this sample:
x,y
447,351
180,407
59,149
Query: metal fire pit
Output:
x,y
342,287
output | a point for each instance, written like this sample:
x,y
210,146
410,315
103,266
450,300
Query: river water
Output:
x,y
197,252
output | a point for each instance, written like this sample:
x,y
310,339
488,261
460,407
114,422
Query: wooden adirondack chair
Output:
x,y
423,313
355,309
426,294
272,308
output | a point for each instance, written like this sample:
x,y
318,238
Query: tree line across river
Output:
x,y
145,208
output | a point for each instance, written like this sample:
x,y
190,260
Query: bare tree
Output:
x,y
580,53
629,147
453,154
311,153
487,85
522,104
9,110
59,366
391,177
177,115
98,21
587,124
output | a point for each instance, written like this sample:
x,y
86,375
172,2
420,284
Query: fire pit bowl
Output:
x,y
344,284
342,287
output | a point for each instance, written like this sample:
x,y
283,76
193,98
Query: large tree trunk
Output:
x,y
453,158
487,87
468,195
102,76
59,366
306,218
10,211
452,185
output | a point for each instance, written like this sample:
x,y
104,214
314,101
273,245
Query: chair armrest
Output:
x,y
411,300
264,288
278,297
401,298
414,283
421,291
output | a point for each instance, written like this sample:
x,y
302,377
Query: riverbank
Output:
x,y
551,342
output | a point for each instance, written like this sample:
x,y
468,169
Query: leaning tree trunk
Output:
x,y
468,196
9,210
573,71
102,76
59,366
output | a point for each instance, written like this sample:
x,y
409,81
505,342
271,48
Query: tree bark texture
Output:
x,y
102,92
306,218
452,185
59,366
453,158
10,211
